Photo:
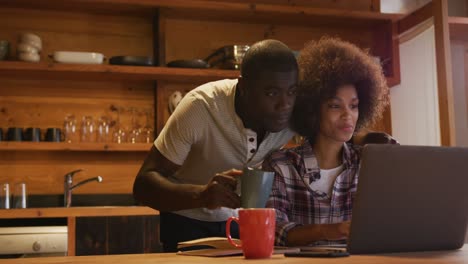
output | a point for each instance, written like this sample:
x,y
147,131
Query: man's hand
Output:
x,y
364,138
221,190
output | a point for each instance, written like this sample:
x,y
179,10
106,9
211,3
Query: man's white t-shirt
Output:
x,y
205,136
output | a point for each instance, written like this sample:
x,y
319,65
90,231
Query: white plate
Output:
x,y
78,57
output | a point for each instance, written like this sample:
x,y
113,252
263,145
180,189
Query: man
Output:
x,y
218,126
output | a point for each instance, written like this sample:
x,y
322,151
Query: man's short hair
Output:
x,y
267,55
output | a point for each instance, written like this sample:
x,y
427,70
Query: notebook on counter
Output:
x,y
220,247
410,198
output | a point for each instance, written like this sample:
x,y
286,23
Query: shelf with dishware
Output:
x,y
63,146
57,71
373,28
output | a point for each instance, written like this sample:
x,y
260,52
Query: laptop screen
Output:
x,y
410,198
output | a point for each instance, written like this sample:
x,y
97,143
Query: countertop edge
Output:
x,y
82,211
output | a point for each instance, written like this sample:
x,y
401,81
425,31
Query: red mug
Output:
x,y
257,232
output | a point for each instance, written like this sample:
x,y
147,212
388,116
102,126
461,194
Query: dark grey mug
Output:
x,y
53,134
32,134
15,134
255,187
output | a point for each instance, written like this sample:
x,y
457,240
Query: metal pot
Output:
x,y
228,57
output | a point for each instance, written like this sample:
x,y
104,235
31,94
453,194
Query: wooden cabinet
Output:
x,y
117,235
42,94
95,230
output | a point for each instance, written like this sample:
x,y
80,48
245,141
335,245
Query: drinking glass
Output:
x,y
70,129
119,135
147,132
88,129
134,134
4,196
103,129
20,196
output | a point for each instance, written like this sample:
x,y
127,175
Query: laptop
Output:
x,y
410,198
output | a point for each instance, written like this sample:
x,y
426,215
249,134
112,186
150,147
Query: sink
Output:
x,y
56,200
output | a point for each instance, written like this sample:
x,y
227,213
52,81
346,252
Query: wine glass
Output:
x,y
70,129
119,135
103,129
134,134
147,132
88,129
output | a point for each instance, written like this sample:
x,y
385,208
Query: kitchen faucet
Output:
x,y
68,185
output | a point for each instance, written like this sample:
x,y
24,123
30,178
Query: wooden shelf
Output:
x,y
458,27
57,71
61,146
224,10
90,211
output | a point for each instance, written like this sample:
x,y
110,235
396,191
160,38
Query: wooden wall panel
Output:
x,y
204,37
196,39
44,171
164,91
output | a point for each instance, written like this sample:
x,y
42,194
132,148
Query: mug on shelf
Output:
x,y
32,134
53,134
15,134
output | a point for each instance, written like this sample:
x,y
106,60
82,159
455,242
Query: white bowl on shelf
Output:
x,y
27,48
29,56
32,40
78,57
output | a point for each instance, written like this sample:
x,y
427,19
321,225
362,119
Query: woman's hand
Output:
x,y
337,231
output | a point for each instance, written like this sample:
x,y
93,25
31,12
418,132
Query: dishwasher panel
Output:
x,y
33,240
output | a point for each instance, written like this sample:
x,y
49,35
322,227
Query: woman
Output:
x,y
341,90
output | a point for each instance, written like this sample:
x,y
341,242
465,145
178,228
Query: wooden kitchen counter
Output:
x,y
446,257
72,213
91,211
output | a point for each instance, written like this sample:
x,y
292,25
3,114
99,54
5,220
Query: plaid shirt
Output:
x,y
295,202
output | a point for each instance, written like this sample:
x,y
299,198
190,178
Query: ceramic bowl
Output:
x,y
27,48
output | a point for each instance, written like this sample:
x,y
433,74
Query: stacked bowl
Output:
x,y
29,46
